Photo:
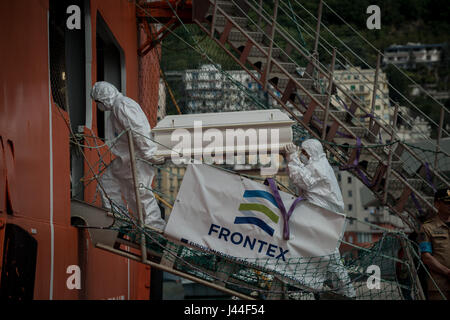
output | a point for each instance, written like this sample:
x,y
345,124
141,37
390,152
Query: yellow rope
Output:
x,y
163,201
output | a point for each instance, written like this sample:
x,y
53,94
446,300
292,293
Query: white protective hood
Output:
x,y
125,114
316,178
105,93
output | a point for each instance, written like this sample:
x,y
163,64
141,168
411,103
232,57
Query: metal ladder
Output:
x,y
380,168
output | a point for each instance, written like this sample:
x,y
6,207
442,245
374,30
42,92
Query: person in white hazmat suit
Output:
x,y
312,173
117,179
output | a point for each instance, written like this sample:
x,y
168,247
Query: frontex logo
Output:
x,y
249,209
253,213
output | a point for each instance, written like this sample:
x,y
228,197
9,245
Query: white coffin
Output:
x,y
242,132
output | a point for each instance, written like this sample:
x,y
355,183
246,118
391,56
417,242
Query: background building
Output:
x,y
412,129
409,55
359,83
207,89
162,110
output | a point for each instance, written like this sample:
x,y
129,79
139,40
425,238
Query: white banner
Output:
x,y
223,212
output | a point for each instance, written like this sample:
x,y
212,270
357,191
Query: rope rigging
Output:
x,y
191,258
251,277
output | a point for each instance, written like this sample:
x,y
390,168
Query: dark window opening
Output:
x,y
9,209
100,77
68,76
67,61
57,46
19,265
76,91
8,200
110,59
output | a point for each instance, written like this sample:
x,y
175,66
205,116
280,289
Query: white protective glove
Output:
x,y
157,159
291,151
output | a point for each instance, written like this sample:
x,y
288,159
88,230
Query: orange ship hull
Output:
x,y
35,165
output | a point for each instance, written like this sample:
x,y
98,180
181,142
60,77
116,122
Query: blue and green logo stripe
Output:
x,y
259,208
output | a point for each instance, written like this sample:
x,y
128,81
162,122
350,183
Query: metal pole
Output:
x,y
175,272
259,13
136,191
269,57
374,93
391,152
438,140
330,91
413,269
213,21
319,21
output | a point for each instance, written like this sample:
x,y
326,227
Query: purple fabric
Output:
x,y
286,215
366,181
301,101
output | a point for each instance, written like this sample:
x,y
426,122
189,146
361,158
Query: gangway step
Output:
x,y
227,6
221,21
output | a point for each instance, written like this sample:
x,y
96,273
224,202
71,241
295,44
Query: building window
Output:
x,y
364,237
339,177
350,207
349,180
377,107
350,193
352,87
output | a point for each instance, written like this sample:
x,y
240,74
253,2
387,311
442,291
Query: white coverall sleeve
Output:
x,y
302,176
130,115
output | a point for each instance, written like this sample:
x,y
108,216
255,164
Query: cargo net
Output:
x,y
377,272
383,270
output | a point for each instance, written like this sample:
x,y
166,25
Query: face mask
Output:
x,y
101,106
304,159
